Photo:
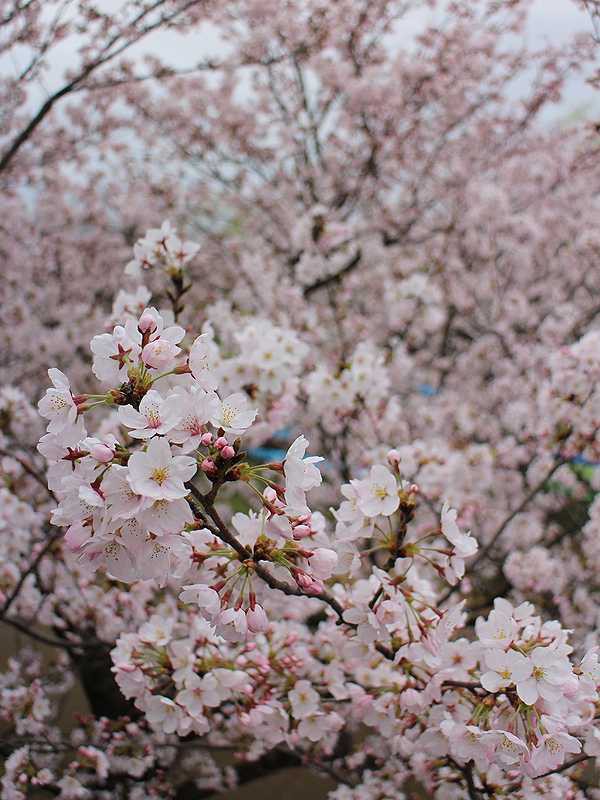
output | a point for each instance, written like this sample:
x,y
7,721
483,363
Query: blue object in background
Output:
x,y
427,390
264,455
275,450
584,461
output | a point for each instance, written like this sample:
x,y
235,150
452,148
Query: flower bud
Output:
x,y
159,354
257,619
393,458
227,452
302,579
208,466
206,439
323,561
147,323
221,443
102,452
315,587
301,531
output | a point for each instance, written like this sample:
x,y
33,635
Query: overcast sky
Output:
x,y
551,21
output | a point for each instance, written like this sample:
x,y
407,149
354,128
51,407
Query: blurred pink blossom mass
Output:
x,y
300,398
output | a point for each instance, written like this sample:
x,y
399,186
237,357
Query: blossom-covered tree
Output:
x,y
389,265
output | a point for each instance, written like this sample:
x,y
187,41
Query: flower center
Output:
x,y
58,402
153,418
506,744
192,425
228,415
160,475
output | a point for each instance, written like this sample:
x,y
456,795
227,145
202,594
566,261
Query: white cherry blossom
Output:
x,y
159,475
157,415
378,494
234,414
301,475
57,405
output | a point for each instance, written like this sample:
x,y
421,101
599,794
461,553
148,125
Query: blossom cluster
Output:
x,y
390,262
145,492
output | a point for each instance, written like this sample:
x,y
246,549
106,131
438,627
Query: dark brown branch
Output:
x,y
328,280
567,765
29,470
221,530
105,57
26,629
483,553
53,537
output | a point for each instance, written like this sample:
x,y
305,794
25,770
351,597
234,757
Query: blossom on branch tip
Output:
x,y
58,405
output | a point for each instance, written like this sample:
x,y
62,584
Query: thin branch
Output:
x,y
26,629
29,470
221,530
567,765
522,505
483,553
336,277
106,55
54,536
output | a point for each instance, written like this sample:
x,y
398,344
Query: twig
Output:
x,y
522,505
32,567
29,470
336,277
38,637
222,532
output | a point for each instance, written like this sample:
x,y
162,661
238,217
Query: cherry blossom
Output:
x,y
158,474
388,251
157,415
58,405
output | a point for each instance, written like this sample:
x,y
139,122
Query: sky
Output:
x,y
555,21
551,21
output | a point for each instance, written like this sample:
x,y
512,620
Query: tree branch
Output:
x,y
336,277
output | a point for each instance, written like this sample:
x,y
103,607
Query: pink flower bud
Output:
x,y
256,619
227,452
208,466
315,587
306,582
221,443
206,439
102,453
302,579
301,531
393,457
270,494
323,562
147,323
159,354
